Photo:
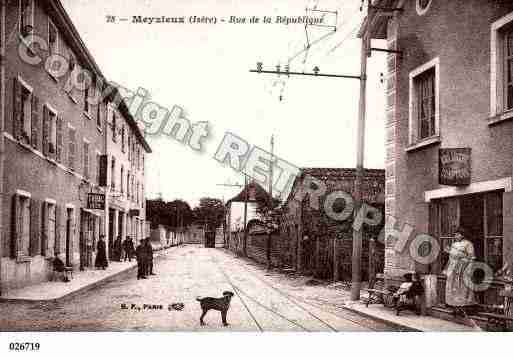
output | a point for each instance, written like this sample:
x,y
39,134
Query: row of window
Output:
x,y
134,189
49,133
52,138
37,227
128,141
57,45
425,80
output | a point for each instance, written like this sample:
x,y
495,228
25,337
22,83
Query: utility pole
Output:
x,y
269,235
271,167
245,213
360,152
229,214
357,235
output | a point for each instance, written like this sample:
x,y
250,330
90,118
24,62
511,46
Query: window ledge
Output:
x,y
424,143
501,117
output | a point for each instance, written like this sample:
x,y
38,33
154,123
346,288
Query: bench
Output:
x,y
378,294
67,271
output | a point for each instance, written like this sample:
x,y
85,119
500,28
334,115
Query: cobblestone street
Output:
x,y
263,301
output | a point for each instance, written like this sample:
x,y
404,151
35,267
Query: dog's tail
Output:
x,y
198,299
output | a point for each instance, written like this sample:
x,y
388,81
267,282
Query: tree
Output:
x,y
176,213
209,212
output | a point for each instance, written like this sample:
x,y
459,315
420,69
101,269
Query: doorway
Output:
x,y
111,234
471,218
69,235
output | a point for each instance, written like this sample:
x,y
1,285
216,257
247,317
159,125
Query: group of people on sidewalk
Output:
x,y
123,250
120,251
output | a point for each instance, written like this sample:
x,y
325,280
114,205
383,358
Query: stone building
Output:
x,y
53,137
449,131
310,238
126,151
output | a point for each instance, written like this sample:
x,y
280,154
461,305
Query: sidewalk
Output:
x,y
82,281
407,320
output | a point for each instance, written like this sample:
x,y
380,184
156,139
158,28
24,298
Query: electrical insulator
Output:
x,y
259,66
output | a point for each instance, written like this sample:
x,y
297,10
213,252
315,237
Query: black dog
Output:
x,y
221,304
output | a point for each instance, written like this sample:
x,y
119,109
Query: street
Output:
x,y
263,301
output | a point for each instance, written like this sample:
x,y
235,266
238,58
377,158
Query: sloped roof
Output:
x,y
253,192
377,19
344,179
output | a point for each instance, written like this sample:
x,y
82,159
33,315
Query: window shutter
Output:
x,y
46,130
58,221
35,121
60,139
99,112
44,230
86,160
17,110
15,223
72,148
34,228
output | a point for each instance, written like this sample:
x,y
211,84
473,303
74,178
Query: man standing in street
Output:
x,y
128,246
149,256
140,253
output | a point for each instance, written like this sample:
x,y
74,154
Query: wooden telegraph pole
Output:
x,y
269,235
246,197
360,151
229,214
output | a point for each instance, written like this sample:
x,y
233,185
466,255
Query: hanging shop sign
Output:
x,y
95,201
454,166
134,212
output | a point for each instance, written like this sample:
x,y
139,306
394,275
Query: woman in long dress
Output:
x,y
101,254
458,291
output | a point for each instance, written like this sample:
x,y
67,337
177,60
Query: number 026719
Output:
x,y
27,346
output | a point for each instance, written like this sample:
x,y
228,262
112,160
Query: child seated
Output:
x,y
406,296
59,267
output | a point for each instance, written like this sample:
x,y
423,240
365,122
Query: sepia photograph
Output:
x,y
232,167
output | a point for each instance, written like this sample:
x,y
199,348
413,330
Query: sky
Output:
x,y
204,68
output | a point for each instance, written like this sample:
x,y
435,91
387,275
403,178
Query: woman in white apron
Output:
x,y
458,292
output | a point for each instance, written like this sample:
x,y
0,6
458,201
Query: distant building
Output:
x,y
195,234
164,236
249,197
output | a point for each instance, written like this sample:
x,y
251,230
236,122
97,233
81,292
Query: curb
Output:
x,y
81,290
391,323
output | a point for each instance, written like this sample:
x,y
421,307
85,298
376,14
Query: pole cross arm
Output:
x,y
306,74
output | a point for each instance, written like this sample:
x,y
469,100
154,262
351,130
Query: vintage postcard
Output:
x,y
255,166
